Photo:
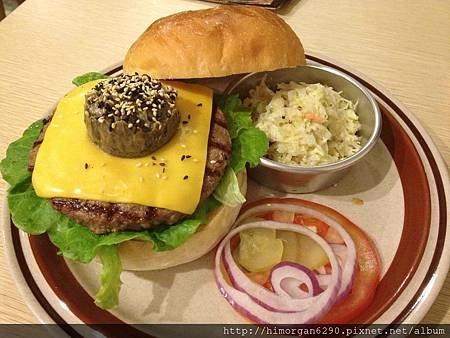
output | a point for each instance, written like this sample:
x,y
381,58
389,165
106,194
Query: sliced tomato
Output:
x,y
322,228
368,267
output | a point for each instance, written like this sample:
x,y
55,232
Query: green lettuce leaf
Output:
x,y
249,146
169,238
228,191
107,296
14,167
249,143
88,77
30,213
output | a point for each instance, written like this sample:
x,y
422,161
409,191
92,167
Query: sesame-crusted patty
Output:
x,y
131,115
104,217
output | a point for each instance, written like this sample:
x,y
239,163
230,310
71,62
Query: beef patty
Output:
x,y
104,217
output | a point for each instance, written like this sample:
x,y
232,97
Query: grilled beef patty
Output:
x,y
104,217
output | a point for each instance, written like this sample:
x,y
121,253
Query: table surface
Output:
x,y
403,45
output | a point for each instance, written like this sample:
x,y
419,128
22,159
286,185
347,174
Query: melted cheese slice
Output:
x,y
69,165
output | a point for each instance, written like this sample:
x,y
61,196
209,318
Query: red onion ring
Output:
x,y
262,305
286,277
348,269
283,307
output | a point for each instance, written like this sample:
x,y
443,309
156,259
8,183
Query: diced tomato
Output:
x,y
367,273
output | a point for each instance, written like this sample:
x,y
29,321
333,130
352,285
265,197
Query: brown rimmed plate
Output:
x,y
403,183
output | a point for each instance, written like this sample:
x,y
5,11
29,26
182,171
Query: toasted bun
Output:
x,y
215,42
138,255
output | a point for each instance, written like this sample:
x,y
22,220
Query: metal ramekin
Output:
x,y
299,179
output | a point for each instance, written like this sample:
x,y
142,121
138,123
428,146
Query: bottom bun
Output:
x,y
139,256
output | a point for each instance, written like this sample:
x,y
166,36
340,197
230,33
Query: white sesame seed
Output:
x,y
183,145
147,164
213,161
164,177
195,160
195,131
141,179
139,164
158,175
130,125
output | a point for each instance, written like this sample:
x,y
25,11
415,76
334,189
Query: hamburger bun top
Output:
x,y
215,42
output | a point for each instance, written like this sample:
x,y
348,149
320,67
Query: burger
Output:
x,y
146,169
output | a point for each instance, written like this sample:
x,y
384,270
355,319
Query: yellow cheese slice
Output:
x,y
69,165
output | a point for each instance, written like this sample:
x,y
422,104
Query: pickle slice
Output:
x,y
259,249
302,249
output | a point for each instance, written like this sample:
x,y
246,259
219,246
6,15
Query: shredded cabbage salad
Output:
x,y
307,124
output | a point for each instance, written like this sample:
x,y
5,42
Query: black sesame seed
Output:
x,y
183,157
86,166
200,104
185,177
188,156
162,164
189,117
185,122
154,158
164,170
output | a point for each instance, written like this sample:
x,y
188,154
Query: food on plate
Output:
x,y
131,116
314,281
85,177
307,124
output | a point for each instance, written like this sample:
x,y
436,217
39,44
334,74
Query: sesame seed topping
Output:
x,y
200,104
86,166
183,145
139,164
195,160
164,177
195,131
158,175
213,161
185,177
134,99
141,179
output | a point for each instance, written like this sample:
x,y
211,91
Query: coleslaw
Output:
x,y
307,124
